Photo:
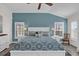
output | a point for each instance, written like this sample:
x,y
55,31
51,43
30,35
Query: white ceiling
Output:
x,y
59,9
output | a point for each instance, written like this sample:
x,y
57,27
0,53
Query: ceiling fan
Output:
x,y
49,4
39,6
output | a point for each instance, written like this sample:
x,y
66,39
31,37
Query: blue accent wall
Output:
x,y
38,20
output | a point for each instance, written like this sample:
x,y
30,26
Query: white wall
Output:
x,y
7,23
74,17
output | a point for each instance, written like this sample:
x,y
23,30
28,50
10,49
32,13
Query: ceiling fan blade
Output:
x,y
49,4
39,6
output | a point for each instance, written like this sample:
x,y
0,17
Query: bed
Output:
x,y
37,46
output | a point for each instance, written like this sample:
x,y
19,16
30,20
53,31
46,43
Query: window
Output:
x,y
19,29
74,27
1,30
59,29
